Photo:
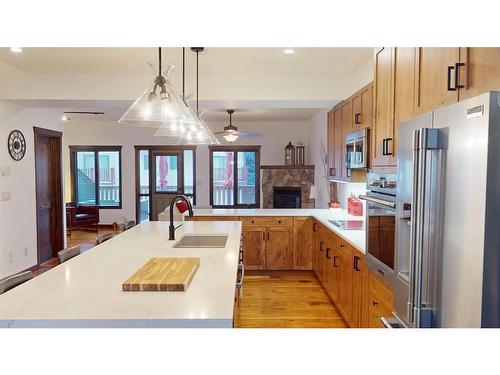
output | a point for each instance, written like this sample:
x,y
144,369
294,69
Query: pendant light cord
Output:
x,y
183,73
159,61
197,95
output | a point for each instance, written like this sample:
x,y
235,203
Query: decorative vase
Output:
x,y
289,154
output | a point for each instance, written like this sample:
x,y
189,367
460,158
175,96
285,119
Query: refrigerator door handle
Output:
x,y
378,201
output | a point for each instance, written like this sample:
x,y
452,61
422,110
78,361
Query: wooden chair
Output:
x,y
103,238
14,280
81,217
68,253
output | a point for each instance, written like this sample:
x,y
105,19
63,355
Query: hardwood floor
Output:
x,y
285,299
271,299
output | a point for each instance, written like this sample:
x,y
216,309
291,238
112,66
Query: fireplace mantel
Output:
x,y
287,176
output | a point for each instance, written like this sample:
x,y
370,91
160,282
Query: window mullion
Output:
x,y
96,178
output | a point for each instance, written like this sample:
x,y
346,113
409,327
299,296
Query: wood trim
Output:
x,y
236,149
59,220
159,147
287,167
95,149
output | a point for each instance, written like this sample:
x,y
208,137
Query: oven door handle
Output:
x,y
378,201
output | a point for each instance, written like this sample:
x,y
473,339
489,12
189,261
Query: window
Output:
x,y
96,175
172,171
235,176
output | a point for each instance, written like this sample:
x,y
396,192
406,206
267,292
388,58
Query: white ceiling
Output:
x,y
214,60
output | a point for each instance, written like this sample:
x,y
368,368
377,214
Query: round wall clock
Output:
x,y
17,145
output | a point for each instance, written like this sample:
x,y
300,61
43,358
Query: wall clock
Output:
x,y
16,145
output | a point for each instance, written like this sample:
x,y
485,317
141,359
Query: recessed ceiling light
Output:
x,y
65,118
16,49
289,51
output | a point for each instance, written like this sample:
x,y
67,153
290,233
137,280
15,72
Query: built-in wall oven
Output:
x,y
380,223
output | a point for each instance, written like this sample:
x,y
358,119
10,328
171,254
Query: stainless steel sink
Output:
x,y
201,240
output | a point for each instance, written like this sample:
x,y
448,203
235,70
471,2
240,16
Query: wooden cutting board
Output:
x,y
163,274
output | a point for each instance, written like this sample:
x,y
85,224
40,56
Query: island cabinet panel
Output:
x,y
480,72
302,243
332,271
279,249
254,248
345,282
380,302
359,311
436,77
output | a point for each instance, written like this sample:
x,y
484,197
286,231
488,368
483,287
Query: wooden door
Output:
x,y
254,255
359,274
347,128
382,137
481,72
434,78
366,107
49,204
345,283
279,254
330,271
167,179
338,143
302,243
330,139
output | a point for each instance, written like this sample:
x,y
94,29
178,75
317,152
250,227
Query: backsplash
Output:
x,y
344,190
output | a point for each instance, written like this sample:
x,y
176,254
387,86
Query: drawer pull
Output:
x,y
328,253
335,261
374,303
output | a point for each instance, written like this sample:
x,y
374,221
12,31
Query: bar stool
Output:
x,y
103,238
68,253
12,281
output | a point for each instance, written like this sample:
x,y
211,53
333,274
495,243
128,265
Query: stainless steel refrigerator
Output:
x,y
447,260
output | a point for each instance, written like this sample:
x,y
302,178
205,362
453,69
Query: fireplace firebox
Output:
x,y
286,197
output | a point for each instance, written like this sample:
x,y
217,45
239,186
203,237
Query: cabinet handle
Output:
x,y
357,118
374,303
328,253
268,235
279,221
383,146
333,171
448,79
335,261
457,76
321,245
315,227
387,140
356,263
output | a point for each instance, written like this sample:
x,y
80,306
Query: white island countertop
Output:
x,y
356,238
86,291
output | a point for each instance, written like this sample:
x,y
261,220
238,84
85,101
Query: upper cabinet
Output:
x,y
362,108
480,72
382,133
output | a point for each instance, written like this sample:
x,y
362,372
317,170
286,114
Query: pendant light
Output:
x,y
159,104
200,134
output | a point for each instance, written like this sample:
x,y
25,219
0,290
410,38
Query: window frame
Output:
x,y
150,149
235,150
73,150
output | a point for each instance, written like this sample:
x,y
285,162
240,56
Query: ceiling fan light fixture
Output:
x,y
231,137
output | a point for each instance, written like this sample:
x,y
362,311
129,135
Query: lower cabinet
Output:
x,y
254,251
278,247
380,302
302,243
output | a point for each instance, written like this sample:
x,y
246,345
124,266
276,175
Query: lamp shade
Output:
x,y
313,193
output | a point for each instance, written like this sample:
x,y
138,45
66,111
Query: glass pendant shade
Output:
x,y
231,137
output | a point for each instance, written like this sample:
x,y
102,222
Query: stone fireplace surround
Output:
x,y
290,176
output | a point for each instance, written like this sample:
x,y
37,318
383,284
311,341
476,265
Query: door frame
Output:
x,y
151,149
56,142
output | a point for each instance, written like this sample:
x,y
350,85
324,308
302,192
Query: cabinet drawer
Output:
x,y
267,221
380,302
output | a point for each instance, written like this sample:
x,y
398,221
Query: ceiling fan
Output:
x,y
231,132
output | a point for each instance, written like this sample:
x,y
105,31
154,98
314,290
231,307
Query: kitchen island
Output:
x,y
86,291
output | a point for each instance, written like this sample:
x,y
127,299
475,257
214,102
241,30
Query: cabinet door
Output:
x,y
359,278
380,302
279,249
481,72
302,243
346,129
383,127
320,255
331,143
330,270
254,256
356,112
338,143
404,88
335,279
433,78
345,284
366,108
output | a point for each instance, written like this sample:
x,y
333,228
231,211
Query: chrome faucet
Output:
x,y
171,228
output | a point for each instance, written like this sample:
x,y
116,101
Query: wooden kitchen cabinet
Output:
x,y
359,280
331,270
380,302
302,243
481,72
362,108
254,248
279,249
382,131
319,252
434,79
343,263
347,127
335,143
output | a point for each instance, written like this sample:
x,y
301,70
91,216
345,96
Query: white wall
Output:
x,y
346,189
18,249
274,137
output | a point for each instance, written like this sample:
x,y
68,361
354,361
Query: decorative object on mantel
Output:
x,y
16,145
163,275
300,155
289,154
313,195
